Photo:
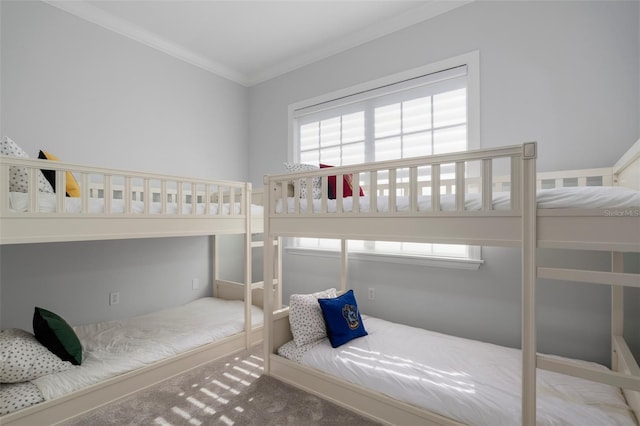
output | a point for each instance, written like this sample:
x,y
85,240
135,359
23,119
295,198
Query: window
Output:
x,y
426,111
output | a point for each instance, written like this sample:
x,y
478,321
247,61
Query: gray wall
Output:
x,y
91,96
75,279
564,74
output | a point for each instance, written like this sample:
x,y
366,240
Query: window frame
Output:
x,y
472,62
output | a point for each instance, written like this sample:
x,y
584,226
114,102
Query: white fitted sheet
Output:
x,y
470,381
583,197
116,347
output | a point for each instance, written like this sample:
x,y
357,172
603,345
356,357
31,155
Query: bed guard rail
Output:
x,y
425,185
106,191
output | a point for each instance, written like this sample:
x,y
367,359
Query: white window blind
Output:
x,y
421,115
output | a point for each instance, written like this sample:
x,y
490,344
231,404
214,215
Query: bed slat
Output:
x,y
609,377
460,185
594,277
435,188
487,184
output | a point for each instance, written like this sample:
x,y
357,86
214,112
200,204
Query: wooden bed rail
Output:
x,y
128,186
458,173
119,204
545,180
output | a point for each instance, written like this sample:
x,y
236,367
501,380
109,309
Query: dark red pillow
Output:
x,y
347,185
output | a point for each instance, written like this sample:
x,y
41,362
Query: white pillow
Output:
x,y
23,358
14,396
18,176
305,317
316,182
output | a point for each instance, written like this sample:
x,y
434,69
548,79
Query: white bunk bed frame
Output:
x,y
34,226
523,225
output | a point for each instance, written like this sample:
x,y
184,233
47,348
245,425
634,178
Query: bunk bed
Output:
x,y
460,198
87,203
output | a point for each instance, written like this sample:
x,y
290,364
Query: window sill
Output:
x,y
430,261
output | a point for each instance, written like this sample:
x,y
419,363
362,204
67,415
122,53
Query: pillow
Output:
x,y
18,176
14,396
23,358
305,317
315,183
72,187
347,185
58,336
343,319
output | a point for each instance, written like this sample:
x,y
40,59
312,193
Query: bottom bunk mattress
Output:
x,y
116,347
469,381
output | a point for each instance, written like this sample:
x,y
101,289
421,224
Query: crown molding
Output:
x,y
409,18
125,28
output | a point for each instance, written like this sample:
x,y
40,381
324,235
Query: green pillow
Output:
x,y
56,335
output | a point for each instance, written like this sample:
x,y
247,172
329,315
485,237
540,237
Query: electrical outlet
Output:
x,y
114,298
195,284
372,293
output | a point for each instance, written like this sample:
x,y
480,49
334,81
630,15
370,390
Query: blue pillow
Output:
x,y
342,318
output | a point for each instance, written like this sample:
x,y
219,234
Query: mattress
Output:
x,y
469,381
583,197
18,202
116,347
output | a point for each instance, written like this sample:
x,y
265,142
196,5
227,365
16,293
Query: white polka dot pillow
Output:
x,y
316,182
18,176
23,358
305,317
14,396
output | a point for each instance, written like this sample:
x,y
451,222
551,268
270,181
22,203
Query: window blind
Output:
x,y
421,115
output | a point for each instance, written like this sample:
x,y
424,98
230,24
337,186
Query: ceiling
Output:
x,y
252,41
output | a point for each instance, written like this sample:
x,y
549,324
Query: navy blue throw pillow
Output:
x,y
342,318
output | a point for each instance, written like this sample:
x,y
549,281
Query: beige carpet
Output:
x,y
231,391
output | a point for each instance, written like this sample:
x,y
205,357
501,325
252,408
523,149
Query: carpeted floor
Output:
x,y
231,391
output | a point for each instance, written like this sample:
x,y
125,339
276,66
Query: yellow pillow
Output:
x,y
72,187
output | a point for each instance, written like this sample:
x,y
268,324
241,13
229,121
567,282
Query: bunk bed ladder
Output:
x,y
625,372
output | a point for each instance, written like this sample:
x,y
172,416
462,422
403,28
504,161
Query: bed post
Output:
x,y
343,265
215,273
617,307
528,205
268,277
4,189
248,268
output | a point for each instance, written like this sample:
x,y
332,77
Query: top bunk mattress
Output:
x,y
583,197
469,381
116,347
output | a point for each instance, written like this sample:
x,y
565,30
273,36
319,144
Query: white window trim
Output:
x,y
470,264
472,61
